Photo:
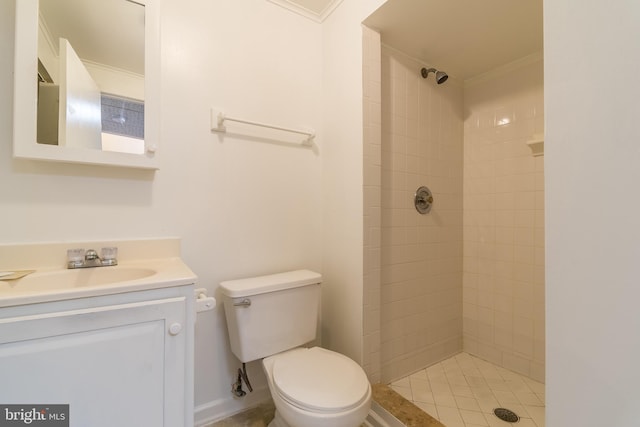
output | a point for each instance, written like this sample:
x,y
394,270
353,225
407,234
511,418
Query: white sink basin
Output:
x,y
59,284
77,278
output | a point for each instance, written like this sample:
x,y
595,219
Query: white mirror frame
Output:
x,y
25,97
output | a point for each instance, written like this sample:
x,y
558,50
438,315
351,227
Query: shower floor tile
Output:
x,y
463,391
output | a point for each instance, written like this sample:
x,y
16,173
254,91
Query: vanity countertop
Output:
x,y
47,284
142,265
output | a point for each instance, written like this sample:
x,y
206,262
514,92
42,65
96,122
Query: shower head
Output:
x,y
441,76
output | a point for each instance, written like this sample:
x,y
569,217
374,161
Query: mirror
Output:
x,y
87,81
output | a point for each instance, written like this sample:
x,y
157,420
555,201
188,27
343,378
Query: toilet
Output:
x,y
272,318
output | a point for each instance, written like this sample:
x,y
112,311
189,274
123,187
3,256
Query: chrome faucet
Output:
x,y
79,258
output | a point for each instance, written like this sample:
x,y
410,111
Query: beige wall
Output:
x,y
242,206
421,255
346,303
592,234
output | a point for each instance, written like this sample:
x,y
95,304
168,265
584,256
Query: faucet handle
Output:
x,y
109,255
75,257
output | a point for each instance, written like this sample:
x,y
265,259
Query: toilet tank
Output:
x,y
270,314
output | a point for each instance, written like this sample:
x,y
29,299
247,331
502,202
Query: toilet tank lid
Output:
x,y
272,282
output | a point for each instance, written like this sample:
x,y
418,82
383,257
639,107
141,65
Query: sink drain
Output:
x,y
506,415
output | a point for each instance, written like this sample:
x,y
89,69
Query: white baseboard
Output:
x,y
219,409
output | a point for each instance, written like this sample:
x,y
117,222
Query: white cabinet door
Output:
x,y
119,365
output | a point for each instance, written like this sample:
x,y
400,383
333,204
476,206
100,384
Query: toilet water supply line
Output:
x,y
236,388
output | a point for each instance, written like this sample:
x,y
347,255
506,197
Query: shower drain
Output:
x,y
506,415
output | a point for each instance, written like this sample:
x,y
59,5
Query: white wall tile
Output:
x,y
373,202
485,180
504,219
421,255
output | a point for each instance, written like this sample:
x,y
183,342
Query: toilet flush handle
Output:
x,y
244,303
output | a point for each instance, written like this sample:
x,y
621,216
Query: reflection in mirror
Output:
x,y
123,90
91,74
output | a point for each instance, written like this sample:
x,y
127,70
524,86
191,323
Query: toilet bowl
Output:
x,y
270,318
315,387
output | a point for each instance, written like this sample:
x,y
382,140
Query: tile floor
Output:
x,y
463,391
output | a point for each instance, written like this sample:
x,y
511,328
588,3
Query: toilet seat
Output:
x,y
319,380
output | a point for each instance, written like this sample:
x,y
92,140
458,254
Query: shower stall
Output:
x,y
468,275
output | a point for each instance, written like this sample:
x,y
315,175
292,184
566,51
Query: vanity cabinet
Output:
x,y
121,360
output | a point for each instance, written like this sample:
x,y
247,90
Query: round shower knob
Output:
x,y
423,200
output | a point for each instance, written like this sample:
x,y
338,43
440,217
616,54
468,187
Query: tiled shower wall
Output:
x,y
372,167
417,290
421,255
503,277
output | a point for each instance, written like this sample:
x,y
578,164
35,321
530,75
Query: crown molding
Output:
x,y
307,13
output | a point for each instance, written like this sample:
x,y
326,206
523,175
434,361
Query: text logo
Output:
x,y
34,415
